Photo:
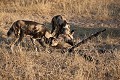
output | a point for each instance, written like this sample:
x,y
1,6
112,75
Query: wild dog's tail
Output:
x,y
85,40
9,33
11,30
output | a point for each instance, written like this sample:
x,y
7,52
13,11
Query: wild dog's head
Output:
x,y
57,20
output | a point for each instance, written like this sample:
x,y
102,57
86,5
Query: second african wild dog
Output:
x,y
34,29
65,39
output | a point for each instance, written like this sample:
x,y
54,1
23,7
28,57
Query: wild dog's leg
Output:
x,y
34,45
41,43
20,38
33,41
12,45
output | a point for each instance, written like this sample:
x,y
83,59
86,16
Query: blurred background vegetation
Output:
x,y
94,9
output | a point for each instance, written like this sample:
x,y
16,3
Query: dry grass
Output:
x,y
94,9
91,61
98,59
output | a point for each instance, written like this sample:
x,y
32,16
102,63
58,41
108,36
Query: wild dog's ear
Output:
x,y
72,32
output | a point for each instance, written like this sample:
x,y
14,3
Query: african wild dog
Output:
x,y
57,25
34,29
65,39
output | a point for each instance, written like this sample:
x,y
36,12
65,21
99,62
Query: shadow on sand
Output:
x,y
85,32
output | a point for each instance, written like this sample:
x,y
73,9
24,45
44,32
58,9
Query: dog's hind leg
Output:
x,y
41,43
17,41
12,45
20,38
34,45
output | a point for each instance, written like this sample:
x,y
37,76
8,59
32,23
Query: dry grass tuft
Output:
x,y
93,60
94,9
